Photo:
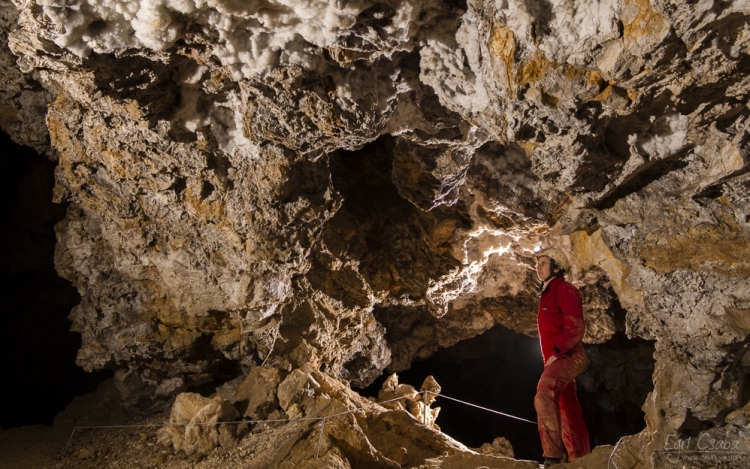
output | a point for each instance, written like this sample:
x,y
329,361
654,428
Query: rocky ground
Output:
x,y
394,433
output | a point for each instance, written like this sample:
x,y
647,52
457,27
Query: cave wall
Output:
x,y
353,185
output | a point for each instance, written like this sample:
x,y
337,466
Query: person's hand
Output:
x,y
551,360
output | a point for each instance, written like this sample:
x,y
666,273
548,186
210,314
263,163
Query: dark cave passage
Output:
x,y
500,370
37,347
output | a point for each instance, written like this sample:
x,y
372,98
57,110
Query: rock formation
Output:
x,y
349,185
326,424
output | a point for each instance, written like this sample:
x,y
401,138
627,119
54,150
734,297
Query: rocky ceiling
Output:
x,y
352,185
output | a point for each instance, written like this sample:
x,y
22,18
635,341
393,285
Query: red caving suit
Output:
x,y
561,328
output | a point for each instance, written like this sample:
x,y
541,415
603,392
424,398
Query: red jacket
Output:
x,y
560,319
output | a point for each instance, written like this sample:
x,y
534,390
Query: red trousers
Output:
x,y
558,412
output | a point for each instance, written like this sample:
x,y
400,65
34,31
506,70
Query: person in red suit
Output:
x,y
561,329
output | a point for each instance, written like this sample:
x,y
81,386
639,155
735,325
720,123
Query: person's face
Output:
x,y
543,267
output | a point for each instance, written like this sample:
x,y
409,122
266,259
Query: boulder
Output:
x,y
199,424
256,396
298,384
404,397
499,447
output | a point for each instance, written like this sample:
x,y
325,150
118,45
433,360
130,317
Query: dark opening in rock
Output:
x,y
37,348
500,370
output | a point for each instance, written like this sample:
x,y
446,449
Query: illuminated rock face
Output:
x,y
353,185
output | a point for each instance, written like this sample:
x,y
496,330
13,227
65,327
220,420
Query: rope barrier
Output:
x,y
322,419
483,408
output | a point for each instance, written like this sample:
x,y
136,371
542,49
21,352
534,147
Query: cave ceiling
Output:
x,y
354,184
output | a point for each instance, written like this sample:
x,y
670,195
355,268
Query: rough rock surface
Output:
x,y
404,397
499,446
352,185
335,427
199,424
320,416
257,393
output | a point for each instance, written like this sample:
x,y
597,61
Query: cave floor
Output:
x,y
44,446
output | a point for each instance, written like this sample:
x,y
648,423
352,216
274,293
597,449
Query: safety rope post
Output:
x,y
613,453
69,440
320,438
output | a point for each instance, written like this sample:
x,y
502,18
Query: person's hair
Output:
x,y
555,266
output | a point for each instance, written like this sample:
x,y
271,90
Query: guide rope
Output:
x,y
299,419
483,408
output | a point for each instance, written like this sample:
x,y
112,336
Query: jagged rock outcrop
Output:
x,y
199,424
320,422
352,185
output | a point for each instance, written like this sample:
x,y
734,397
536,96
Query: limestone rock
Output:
x,y
430,389
601,456
23,102
466,461
739,417
258,392
200,424
295,387
601,312
332,426
499,447
404,397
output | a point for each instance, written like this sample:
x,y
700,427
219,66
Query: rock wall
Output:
x,y
352,185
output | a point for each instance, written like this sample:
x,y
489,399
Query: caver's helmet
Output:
x,y
556,255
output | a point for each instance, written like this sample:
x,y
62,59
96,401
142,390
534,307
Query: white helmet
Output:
x,y
556,255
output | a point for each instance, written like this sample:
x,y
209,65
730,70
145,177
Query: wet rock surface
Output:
x,y
351,186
